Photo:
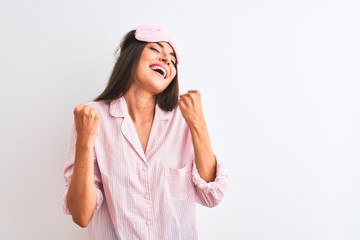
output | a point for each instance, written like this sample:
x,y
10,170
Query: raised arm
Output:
x,y
81,195
191,109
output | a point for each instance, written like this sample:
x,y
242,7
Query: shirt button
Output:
x,y
148,222
146,195
144,169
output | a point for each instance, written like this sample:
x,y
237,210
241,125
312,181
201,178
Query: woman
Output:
x,y
140,155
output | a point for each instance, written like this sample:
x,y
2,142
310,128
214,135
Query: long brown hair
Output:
x,y
123,73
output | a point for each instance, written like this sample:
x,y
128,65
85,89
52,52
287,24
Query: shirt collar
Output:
x,y
118,108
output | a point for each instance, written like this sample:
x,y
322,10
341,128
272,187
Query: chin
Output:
x,y
160,89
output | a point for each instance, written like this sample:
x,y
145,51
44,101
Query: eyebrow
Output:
x,y
162,46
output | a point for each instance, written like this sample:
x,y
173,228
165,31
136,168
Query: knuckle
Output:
x,y
87,110
78,108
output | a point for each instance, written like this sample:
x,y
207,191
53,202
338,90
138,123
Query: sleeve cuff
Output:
x,y
218,183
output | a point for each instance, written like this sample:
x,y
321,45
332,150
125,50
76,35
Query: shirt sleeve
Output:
x,y
210,194
69,169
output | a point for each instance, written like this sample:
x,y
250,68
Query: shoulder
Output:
x,y
176,118
113,108
101,107
98,105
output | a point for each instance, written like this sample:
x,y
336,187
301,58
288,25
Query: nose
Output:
x,y
166,59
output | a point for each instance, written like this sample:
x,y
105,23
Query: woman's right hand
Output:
x,y
87,124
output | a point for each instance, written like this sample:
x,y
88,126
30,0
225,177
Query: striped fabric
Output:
x,y
149,195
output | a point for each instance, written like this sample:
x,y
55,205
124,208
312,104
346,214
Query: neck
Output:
x,y
141,106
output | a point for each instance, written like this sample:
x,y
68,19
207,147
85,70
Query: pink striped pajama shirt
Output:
x,y
149,195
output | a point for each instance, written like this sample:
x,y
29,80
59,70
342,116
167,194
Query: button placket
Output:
x,y
147,198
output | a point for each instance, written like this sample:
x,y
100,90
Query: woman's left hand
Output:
x,y
191,108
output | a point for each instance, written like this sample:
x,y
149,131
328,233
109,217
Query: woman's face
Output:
x,y
156,68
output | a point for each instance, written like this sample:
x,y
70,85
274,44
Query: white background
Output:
x,y
280,82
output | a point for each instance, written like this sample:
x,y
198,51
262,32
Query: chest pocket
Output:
x,y
179,183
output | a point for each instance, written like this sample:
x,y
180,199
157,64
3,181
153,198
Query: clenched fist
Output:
x,y
87,124
191,108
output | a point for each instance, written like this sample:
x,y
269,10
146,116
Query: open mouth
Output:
x,y
159,69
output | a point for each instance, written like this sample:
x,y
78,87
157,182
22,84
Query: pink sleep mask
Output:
x,y
153,33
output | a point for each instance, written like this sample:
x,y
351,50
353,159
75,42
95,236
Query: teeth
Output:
x,y
159,68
